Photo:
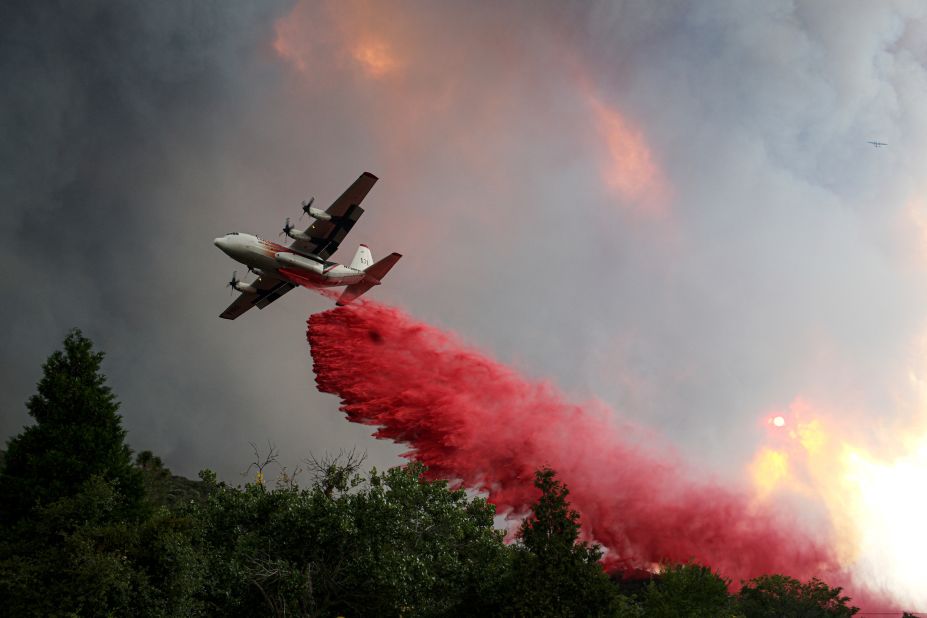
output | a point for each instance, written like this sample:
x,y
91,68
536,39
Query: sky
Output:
x,y
671,208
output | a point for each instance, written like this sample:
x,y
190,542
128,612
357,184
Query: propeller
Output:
x,y
306,206
286,228
234,282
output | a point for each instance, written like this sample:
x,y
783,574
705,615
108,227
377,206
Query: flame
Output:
x,y
769,468
890,511
875,502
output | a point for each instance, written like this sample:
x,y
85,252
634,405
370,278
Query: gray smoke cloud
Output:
x,y
121,127
521,150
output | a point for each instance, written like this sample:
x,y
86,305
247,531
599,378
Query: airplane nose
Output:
x,y
219,242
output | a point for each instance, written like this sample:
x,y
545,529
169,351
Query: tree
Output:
x,y
78,434
781,596
165,489
76,537
75,556
389,544
554,573
689,590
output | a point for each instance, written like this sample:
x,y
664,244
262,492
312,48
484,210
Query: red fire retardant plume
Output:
x,y
471,419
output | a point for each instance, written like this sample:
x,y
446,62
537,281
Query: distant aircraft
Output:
x,y
877,144
305,261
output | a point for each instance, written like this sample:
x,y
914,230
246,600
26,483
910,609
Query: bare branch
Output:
x,y
335,472
262,462
287,479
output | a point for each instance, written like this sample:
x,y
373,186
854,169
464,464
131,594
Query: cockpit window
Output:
x,y
232,234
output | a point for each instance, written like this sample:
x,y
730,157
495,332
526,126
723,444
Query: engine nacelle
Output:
x,y
244,287
298,235
317,213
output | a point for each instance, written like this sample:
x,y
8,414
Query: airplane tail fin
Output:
x,y
374,275
362,259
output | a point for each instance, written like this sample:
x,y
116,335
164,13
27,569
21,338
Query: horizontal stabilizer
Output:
x,y
374,275
379,269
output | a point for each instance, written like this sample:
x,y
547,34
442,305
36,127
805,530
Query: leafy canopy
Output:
x,y
689,590
390,544
783,596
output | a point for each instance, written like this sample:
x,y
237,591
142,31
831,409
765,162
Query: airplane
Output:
x,y
305,262
877,144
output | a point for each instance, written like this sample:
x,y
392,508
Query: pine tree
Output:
x,y
77,435
554,573
553,528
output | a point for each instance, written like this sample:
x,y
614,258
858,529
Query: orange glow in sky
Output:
x,y
629,168
287,42
348,40
375,57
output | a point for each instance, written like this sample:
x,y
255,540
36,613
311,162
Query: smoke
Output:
x,y
131,135
476,421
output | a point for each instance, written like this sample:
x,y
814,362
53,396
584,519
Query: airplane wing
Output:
x,y
325,236
269,289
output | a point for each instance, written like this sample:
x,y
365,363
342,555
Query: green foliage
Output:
x,y
78,434
390,545
553,573
690,590
785,597
76,557
165,489
552,530
77,537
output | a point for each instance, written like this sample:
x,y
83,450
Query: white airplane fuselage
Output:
x,y
269,258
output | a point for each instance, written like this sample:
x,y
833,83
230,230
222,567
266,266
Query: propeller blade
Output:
x,y
306,206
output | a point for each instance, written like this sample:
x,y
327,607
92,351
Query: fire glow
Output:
x,y
353,42
375,58
875,503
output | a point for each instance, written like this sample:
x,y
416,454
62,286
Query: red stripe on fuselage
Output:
x,y
275,247
299,278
